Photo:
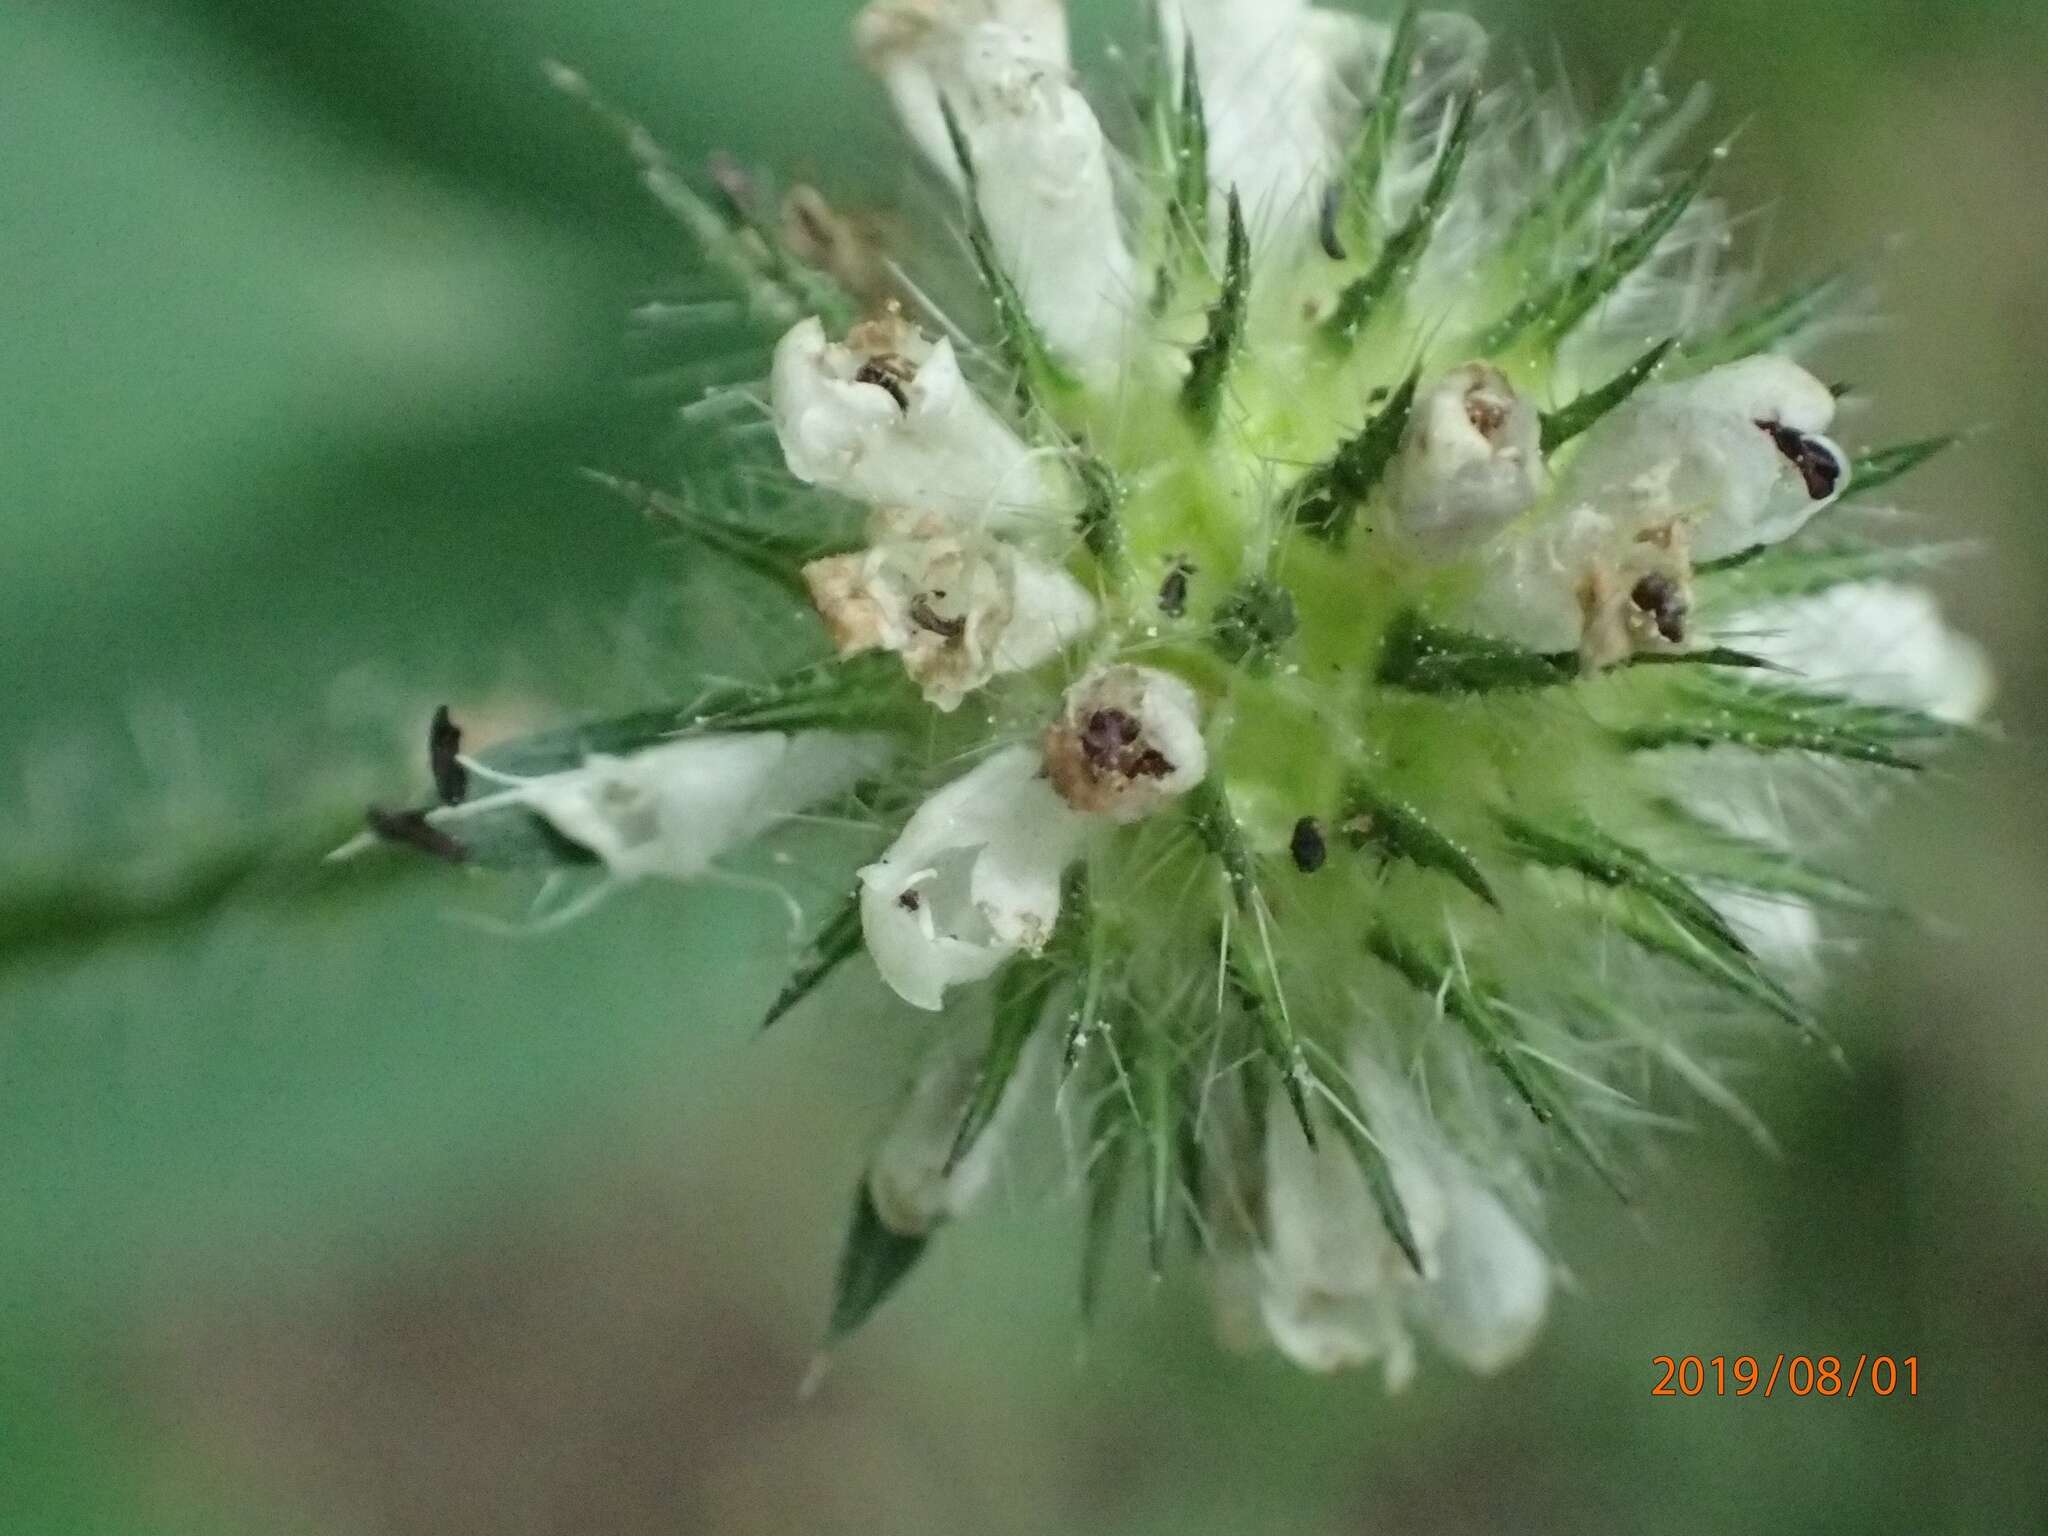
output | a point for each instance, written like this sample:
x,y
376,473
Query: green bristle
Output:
x,y
1398,831
1574,420
1420,657
1768,327
1356,1131
1156,1115
1191,161
1382,127
1449,988
1784,571
1183,135
1551,221
1463,1004
1210,363
1108,1163
1631,1023
865,693
873,1263
1584,849
817,293
1085,938
1017,335
1713,853
1249,960
1874,471
1022,992
1772,719
1327,500
777,289
836,943
771,555
1358,303
1549,316
1102,504
1658,932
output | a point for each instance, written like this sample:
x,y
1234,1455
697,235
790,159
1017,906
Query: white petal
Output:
x,y
1700,452
1050,203
912,45
1766,388
1782,931
960,611
1879,642
1488,1297
1471,462
941,449
908,1180
1530,578
1330,1275
669,811
1053,611
1040,161
973,880
1486,1284
1281,85
1128,742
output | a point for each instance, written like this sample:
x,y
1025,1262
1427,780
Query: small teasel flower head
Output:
x,y
1361,651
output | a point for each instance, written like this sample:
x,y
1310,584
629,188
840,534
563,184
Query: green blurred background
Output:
x,y
360,1220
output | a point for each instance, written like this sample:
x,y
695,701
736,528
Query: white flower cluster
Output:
x,y
1293,511
1322,1279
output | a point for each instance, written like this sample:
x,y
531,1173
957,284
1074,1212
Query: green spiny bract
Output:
x,y
1338,670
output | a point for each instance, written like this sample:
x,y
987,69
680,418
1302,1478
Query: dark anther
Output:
x,y
925,618
1173,592
411,829
444,756
1326,225
891,373
1106,735
910,901
1486,413
1149,764
1307,845
1821,470
1664,601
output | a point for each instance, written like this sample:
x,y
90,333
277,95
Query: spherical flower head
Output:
x,y
1360,650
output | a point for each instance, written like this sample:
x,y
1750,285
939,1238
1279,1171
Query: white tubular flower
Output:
x,y
1470,464
1737,454
1684,473
1331,1277
959,610
1128,742
1041,166
888,419
1336,1290
1876,641
1490,1284
913,1191
1281,84
973,880
668,812
912,46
